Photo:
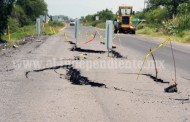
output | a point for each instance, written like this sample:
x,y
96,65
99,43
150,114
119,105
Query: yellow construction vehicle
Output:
x,y
123,23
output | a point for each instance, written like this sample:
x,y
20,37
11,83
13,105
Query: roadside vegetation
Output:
x,y
52,27
19,13
103,15
18,17
164,18
30,30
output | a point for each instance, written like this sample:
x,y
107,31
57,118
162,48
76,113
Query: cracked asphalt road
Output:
x,y
143,45
49,95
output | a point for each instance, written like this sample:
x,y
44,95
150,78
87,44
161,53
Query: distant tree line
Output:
x,y
103,16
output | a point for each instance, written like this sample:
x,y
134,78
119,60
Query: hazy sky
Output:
x,y
78,8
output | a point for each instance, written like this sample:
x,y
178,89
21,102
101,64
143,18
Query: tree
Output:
x,y
33,8
19,14
89,18
105,15
5,10
156,16
167,4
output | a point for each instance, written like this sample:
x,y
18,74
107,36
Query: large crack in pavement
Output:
x,y
78,49
114,53
72,74
70,42
170,89
75,77
44,69
158,80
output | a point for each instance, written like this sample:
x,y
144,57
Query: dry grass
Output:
x,y
150,32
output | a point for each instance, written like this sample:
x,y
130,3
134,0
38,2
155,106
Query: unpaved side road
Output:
x,y
36,85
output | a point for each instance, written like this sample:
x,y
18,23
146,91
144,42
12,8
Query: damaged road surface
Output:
x,y
73,75
43,81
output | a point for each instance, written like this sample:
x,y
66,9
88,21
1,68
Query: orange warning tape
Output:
x,y
91,39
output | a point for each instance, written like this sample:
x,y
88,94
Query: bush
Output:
x,y
177,25
146,31
156,16
187,39
56,24
182,22
14,24
101,25
141,26
170,28
140,15
22,32
95,23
